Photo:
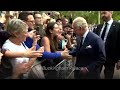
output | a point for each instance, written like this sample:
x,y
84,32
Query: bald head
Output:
x,y
106,15
80,22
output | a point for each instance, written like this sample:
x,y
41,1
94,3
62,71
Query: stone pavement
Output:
x,y
116,74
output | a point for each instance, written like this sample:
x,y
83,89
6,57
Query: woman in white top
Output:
x,y
18,31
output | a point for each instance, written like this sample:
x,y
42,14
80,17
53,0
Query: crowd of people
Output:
x,y
30,38
30,41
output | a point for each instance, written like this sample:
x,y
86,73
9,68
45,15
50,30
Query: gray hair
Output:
x,y
80,22
16,25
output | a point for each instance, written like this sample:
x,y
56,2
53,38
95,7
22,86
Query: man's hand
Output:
x,y
84,70
65,55
118,65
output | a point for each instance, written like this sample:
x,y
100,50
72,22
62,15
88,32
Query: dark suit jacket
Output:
x,y
91,54
112,44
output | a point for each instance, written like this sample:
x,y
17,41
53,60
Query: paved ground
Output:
x,y
116,74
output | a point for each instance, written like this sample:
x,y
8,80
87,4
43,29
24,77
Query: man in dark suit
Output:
x,y
90,51
109,31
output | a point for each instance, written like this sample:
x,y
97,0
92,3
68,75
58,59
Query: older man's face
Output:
x,y
76,29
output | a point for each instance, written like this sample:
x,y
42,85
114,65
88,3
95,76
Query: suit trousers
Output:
x,y
109,69
89,75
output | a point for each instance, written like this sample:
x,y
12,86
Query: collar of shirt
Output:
x,y
109,22
108,28
84,36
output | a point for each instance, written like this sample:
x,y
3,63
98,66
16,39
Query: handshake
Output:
x,y
31,53
65,55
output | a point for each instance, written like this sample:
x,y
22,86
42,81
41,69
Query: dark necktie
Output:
x,y
104,31
81,42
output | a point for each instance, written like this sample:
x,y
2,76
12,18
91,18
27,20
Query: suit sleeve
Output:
x,y
99,54
73,51
97,29
118,44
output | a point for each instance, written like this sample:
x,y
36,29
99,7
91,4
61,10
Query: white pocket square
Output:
x,y
89,46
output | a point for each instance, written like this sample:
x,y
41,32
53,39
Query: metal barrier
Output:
x,y
65,69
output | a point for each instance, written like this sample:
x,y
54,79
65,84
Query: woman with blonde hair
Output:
x,y
18,31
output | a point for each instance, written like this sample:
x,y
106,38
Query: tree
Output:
x,y
91,16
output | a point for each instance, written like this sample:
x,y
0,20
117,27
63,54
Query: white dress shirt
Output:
x,y
84,36
108,28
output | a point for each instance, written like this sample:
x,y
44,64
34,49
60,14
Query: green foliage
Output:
x,y
116,15
90,16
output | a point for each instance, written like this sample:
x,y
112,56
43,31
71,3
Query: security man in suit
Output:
x,y
109,31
